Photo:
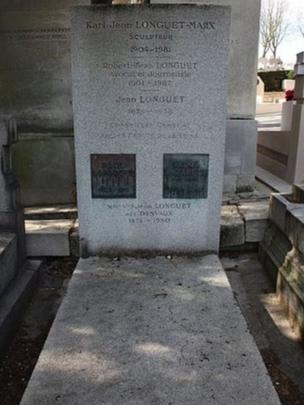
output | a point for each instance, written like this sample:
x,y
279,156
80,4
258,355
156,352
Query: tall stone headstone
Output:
x,y
149,99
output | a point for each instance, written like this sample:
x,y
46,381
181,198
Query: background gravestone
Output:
x,y
149,97
35,88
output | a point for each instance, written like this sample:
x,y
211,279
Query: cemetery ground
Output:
x,y
280,350
17,364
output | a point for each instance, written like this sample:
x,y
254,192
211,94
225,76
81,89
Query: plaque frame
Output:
x,y
182,186
99,159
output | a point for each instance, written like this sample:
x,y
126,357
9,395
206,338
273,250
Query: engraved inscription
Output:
x,y
36,34
113,175
155,74
143,212
185,175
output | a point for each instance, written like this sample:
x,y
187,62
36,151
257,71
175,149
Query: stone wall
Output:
x,y
282,253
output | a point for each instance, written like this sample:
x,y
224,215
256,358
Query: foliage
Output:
x,y
289,95
273,79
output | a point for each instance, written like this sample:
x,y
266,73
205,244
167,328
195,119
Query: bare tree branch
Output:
x,y
273,25
301,25
264,29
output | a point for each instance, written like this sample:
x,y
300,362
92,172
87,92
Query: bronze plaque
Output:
x,y
113,175
185,175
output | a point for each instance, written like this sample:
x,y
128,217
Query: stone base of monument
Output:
x,y
48,237
150,331
54,230
15,297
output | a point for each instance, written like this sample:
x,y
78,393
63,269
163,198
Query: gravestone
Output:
x,y
35,65
149,99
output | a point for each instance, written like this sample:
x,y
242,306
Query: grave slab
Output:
x,y
150,331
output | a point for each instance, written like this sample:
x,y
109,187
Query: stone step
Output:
x,y
48,237
150,331
272,181
68,211
242,224
8,259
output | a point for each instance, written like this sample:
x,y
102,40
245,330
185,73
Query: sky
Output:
x,y
293,42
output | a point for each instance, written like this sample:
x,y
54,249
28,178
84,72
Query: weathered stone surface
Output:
x,y
67,211
35,65
150,119
290,288
280,204
11,210
45,167
16,273
150,331
74,240
48,237
255,217
276,184
273,250
289,217
8,259
232,227
295,227
6,135
298,193
281,252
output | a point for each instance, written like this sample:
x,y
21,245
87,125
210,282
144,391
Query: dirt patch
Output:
x,y
282,353
286,388
17,365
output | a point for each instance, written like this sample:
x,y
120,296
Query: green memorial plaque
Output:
x,y
185,175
